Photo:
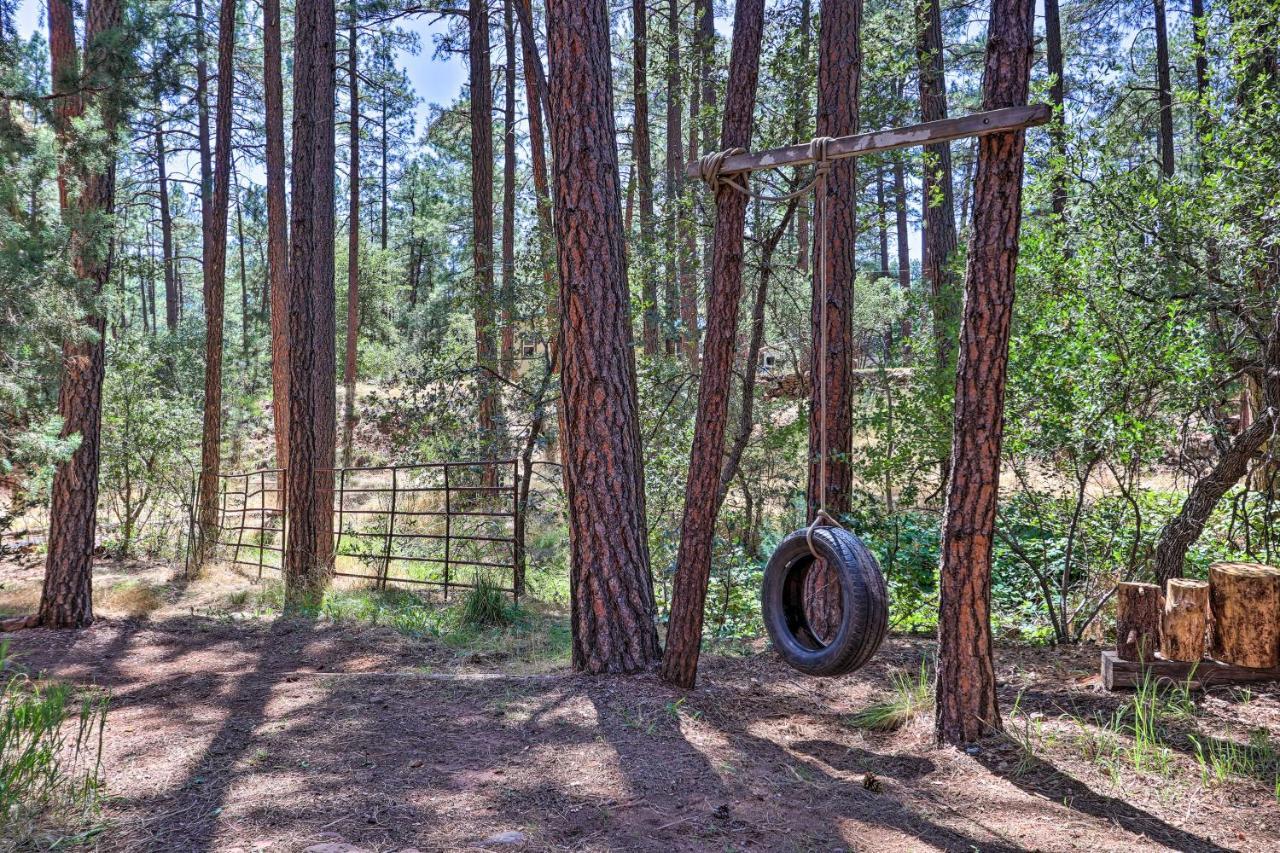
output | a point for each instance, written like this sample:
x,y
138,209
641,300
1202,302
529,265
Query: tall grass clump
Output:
x,y
911,696
50,761
484,605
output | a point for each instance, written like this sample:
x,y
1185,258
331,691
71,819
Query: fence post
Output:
x,y
191,527
517,530
448,529
391,528
262,518
342,485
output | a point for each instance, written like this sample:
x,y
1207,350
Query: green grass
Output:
x,y
50,762
911,695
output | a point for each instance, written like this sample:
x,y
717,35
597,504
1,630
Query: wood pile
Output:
x,y
1223,630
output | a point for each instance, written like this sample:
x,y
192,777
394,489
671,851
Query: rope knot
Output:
x,y
709,167
818,153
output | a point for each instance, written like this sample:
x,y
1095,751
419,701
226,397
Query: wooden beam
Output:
x,y
859,145
1118,674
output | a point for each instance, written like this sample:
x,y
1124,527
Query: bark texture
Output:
x,y
277,227
839,79
697,528
966,703
66,600
1246,614
215,196
1138,614
312,367
1185,622
610,583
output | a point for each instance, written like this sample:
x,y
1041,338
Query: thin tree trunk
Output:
x,y
508,359
166,234
940,238
353,245
644,174
674,179
66,599
611,586
697,529
311,310
277,228
966,702
1057,96
244,285
534,86
382,225
689,247
900,224
482,225
1164,89
801,115
215,192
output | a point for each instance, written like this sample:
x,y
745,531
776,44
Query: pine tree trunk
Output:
x,y
939,203
66,600
1164,89
482,226
839,78
674,179
1057,96
966,704
900,229
166,233
311,310
644,174
534,86
353,245
508,358
277,227
697,529
610,582
800,116
215,195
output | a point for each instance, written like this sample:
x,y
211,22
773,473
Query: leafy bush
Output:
x,y
50,761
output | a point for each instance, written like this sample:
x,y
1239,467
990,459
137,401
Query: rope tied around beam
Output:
x,y
710,172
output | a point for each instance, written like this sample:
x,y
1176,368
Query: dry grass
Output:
x,y
132,599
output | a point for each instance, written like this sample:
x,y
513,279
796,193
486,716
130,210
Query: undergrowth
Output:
x,y
911,694
50,762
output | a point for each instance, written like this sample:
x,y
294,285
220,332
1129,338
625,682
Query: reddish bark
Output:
x,y
482,223
277,227
610,582
644,173
66,600
534,86
697,529
839,76
311,309
353,244
508,359
215,196
966,703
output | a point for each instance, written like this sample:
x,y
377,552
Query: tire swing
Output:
x,y
790,576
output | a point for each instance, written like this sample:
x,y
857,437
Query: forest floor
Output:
x,y
235,731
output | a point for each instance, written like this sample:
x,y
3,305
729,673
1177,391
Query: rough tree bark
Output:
x,y
697,528
353,243
1057,96
644,173
966,704
311,309
277,227
1164,89
610,582
215,195
480,86
66,600
839,79
940,238
508,293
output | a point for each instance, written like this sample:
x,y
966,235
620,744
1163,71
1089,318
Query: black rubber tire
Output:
x,y
863,597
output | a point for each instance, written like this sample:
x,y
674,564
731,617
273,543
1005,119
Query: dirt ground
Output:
x,y
248,734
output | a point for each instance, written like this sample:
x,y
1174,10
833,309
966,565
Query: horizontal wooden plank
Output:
x,y
890,139
1118,674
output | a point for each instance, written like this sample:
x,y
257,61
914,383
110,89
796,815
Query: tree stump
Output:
x,y
1138,608
1186,620
1246,614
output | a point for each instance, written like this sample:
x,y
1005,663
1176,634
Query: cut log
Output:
x,y
1245,598
1186,620
1138,609
1118,674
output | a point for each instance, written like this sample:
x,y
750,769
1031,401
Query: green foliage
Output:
x,y
50,761
484,605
